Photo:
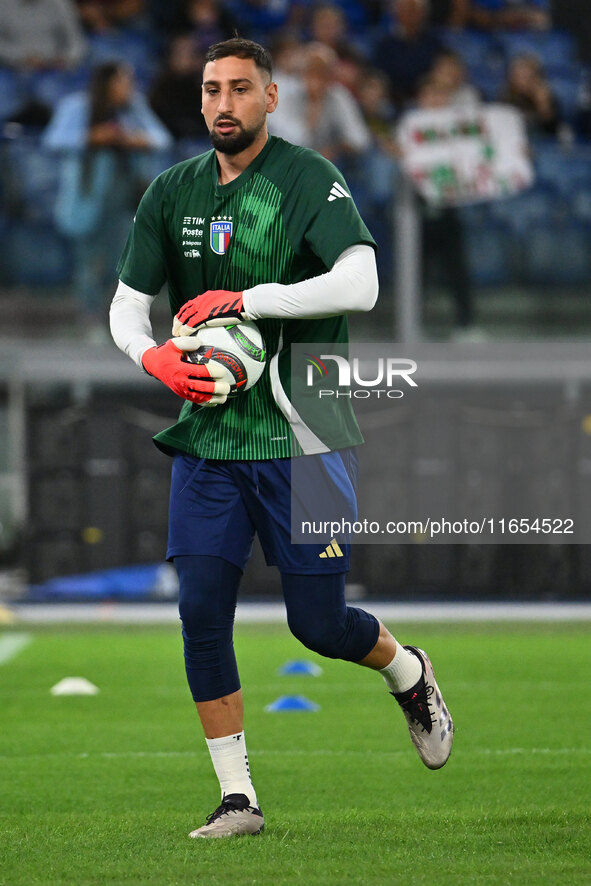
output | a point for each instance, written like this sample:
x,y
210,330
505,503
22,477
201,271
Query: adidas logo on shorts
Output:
x,y
331,550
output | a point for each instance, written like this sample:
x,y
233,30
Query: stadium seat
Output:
x,y
474,47
188,147
4,225
523,210
560,167
31,178
580,205
135,48
35,255
567,90
49,87
475,215
553,48
489,79
490,254
557,255
10,93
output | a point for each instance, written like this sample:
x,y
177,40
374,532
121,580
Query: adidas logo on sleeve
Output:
x,y
336,192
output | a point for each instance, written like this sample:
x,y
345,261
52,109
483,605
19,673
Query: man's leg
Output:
x,y
320,618
208,588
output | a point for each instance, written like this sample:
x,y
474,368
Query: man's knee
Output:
x,y
207,596
324,637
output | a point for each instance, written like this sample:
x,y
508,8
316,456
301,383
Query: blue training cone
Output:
x,y
292,703
300,668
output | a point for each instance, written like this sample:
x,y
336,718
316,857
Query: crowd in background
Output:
x,y
113,86
325,54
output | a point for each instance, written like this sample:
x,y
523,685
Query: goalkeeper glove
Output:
x,y
199,383
216,307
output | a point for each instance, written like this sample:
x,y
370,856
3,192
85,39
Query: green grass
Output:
x,y
104,789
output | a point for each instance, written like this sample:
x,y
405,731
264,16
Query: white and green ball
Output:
x,y
238,348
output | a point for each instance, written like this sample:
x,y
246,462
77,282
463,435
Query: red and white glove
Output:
x,y
197,382
216,307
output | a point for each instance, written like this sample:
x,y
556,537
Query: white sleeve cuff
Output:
x,y
350,285
130,322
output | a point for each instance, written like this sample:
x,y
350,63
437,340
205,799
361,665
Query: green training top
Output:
x,y
286,218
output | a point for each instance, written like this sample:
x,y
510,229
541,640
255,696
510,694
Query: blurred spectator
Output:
x,y
377,109
167,19
444,253
328,25
375,197
449,13
176,92
37,35
320,113
450,72
209,23
582,120
288,53
99,16
528,89
491,15
288,61
258,19
407,53
573,16
105,137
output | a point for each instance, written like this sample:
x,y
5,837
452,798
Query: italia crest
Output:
x,y
220,232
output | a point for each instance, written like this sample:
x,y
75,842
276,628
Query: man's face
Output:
x,y
236,98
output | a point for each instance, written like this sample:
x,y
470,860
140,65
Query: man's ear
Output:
x,y
271,97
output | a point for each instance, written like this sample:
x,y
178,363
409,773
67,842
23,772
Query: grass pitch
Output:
x,y
104,789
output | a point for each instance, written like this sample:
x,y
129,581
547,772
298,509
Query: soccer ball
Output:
x,y
239,348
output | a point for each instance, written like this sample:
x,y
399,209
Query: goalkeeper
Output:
x,y
217,229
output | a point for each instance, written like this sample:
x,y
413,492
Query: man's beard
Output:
x,y
236,143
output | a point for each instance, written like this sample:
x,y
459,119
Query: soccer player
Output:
x,y
256,228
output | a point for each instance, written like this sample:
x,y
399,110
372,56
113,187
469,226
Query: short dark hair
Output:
x,y
240,47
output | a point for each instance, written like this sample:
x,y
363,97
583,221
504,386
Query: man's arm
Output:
x,y
350,285
129,318
132,332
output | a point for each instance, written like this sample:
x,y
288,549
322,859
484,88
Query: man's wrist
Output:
x,y
249,311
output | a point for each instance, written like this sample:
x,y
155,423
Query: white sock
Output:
x,y
230,761
404,670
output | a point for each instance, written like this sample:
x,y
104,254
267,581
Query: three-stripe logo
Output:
x,y
331,550
336,192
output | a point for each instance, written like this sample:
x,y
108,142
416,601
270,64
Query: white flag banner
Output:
x,y
457,156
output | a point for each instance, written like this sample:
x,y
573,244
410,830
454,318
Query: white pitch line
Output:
x,y
318,752
11,645
274,612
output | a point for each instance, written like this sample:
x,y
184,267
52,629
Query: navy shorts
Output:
x,y
216,507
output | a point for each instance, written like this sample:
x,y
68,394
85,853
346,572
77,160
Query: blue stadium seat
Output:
x,y
188,147
135,48
560,167
520,212
4,225
474,47
475,215
489,79
11,96
490,254
557,255
553,48
35,255
49,87
567,90
580,205
32,176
